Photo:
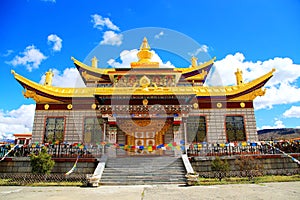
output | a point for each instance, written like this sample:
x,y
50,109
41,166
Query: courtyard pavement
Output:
x,y
274,191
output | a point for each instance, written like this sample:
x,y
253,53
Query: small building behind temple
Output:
x,y
23,138
144,105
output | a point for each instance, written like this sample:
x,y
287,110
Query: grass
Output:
x,y
202,181
10,182
245,180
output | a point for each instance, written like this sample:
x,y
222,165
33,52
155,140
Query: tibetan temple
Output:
x,y
144,104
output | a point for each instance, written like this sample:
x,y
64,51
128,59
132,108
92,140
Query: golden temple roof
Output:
x,y
47,94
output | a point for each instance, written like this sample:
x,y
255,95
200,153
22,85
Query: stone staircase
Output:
x,y
145,170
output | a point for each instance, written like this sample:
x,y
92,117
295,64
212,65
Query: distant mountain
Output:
x,y
278,134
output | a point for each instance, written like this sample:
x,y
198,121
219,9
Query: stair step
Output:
x,y
143,170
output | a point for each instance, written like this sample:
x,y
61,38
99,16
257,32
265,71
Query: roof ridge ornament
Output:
x,y
144,56
145,45
94,62
48,79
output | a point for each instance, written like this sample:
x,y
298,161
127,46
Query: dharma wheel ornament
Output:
x,y
93,106
145,102
195,105
219,105
46,106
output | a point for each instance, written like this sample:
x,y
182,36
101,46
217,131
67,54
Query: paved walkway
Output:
x,y
272,191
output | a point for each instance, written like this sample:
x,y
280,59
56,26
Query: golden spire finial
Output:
x,y
144,56
48,79
194,61
239,77
94,62
145,45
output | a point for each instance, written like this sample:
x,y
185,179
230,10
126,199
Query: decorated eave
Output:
x,y
240,92
92,73
50,94
144,86
196,73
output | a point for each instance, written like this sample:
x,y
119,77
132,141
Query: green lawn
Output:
x,y
202,181
257,180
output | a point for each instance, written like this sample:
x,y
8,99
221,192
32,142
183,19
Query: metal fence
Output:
x,y
252,173
31,179
229,149
56,151
201,149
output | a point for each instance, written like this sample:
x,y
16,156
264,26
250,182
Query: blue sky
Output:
x,y
254,35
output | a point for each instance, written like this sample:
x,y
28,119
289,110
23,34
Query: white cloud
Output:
x,y
281,88
31,58
100,22
52,1
57,42
156,58
16,121
294,111
277,124
159,35
8,53
112,38
70,77
128,56
204,48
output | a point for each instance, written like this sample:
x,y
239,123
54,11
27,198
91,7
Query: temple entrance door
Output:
x,y
145,132
144,138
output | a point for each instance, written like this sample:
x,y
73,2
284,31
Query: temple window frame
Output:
x,y
92,135
237,124
196,139
56,129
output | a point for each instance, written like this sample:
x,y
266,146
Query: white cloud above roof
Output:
x,y
159,35
128,56
281,88
19,120
56,41
70,77
203,48
101,22
52,1
31,58
111,38
7,53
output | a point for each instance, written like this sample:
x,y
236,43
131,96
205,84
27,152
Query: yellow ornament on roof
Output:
x,y
144,56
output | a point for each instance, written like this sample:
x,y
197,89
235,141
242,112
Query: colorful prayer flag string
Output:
x,y
8,152
73,168
293,159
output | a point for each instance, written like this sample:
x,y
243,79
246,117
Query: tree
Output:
x,y
42,162
220,167
249,166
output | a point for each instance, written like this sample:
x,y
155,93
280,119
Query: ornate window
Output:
x,y
92,130
235,128
54,130
196,129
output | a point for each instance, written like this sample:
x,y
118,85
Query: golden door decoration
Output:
x,y
144,132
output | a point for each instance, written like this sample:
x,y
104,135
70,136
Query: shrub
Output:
x,y
42,162
249,166
220,167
